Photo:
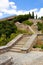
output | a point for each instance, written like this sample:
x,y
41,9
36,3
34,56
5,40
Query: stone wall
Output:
x,y
40,39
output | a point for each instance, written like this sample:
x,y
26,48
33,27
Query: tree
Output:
x,y
32,15
36,16
29,15
42,17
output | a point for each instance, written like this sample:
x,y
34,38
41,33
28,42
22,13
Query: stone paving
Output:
x,y
38,61
32,58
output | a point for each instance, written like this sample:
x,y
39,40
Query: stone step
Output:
x,y
16,47
23,40
20,44
15,50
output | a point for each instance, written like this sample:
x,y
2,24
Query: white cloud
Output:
x,y
27,12
12,4
40,12
1,14
4,4
7,7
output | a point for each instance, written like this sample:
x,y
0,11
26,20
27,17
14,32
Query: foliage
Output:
x,y
40,26
38,46
6,31
3,40
41,17
42,46
7,28
21,18
24,32
36,16
32,15
24,17
28,22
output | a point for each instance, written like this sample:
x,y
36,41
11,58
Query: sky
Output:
x,y
19,7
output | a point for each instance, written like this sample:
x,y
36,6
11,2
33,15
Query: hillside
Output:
x,y
9,27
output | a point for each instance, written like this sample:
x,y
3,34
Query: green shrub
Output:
x,y
27,22
41,46
13,35
22,31
3,40
40,26
6,32
37,46
7,28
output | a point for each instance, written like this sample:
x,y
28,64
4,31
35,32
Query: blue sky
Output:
x,y
28,4
17,7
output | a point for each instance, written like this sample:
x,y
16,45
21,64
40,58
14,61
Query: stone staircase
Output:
x,y
17,47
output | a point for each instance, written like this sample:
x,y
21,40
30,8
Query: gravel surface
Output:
x,y
32,58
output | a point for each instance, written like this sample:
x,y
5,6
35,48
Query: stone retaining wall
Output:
x,y
40,39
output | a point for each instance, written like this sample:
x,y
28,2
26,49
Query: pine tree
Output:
x,y
32,15
36,16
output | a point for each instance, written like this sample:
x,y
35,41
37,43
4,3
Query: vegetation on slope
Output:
x,y
7,31
38,46
28,22
22,18
40,26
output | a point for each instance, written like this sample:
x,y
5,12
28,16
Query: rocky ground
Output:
x,y
32,58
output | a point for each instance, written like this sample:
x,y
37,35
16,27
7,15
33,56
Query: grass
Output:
x,y
24,32
28,22
38,46
4,40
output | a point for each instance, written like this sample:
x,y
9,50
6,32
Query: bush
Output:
x,y
40,26
3,40
13,35
41,46
6,31
27,22
7,28
22,18
37,46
